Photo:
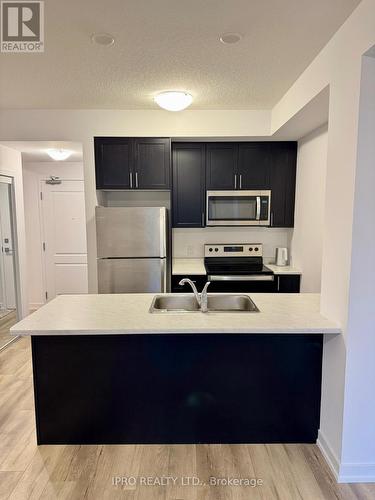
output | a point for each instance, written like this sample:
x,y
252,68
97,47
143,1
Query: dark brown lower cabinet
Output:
x,y
177,388
283,283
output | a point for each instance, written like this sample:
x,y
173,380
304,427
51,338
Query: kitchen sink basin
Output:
x,y
174,303
215,303
231,303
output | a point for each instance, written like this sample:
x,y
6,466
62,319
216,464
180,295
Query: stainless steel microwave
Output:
x,y
238,208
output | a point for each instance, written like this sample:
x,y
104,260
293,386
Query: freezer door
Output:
x,y
131,275
131,232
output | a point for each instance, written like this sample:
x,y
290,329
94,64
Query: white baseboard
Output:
x,y
345,472
357,473
328,454
33,306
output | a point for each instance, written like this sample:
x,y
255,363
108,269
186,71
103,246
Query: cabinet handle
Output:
x,y
235,181
278,283
131,180
136,179
202,219
271,219
240,181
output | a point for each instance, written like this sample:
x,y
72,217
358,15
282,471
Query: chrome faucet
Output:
x,y
202,298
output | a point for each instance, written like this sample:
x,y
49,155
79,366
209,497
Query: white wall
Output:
x,y
11,165
307,240
358,452
188,243
33,174
337,66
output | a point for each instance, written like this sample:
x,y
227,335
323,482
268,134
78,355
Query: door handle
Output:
x,y
240,181
131,180
136,179
258,208
235,181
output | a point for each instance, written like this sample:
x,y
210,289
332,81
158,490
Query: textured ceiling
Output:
x,y
170,44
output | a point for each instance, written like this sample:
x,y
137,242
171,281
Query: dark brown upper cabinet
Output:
x,y
152,163
132,163
283,183
238,166
254,166
113,162
221,166
188,191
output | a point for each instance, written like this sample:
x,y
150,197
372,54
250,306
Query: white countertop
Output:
x,y
283,269
196,266
128,314
188,266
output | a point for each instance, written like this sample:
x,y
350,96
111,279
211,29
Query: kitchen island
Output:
x,y
108,371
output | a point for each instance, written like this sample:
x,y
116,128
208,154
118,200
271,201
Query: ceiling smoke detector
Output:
x,y
103,39
173,100
230,38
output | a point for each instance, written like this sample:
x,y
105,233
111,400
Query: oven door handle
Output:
x,y
241,277
258,208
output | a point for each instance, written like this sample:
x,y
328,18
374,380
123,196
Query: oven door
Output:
x,y
256,283
238,208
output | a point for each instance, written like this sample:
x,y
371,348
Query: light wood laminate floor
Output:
x,y
5,323
77,472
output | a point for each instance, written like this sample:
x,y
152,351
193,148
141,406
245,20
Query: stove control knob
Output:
x,y
256,249
210,249
250,249
216,249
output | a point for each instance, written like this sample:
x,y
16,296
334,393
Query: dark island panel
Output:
x,y
166,388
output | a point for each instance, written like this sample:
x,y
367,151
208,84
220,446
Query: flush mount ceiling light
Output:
x,y
59,154
104,39
173,100
230,38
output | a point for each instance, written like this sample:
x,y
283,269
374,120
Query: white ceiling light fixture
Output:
x,y
230,38
103,39
173,100
59,154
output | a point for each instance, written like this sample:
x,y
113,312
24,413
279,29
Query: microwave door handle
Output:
x,y
258,208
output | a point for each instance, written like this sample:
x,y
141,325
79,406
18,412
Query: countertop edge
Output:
x,y
259,331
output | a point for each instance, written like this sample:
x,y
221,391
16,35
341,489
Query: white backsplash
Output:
x,y
188,243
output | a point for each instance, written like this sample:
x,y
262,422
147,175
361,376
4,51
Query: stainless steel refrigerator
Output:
x,y
132,249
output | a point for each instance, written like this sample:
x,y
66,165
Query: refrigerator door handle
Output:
x,y
163,281
163,227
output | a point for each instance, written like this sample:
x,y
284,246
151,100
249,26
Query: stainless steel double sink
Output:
x,y
181,303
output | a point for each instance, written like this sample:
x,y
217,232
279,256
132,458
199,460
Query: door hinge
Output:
x,y
46,295
44,246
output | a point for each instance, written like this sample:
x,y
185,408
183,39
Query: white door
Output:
x,y
64,238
